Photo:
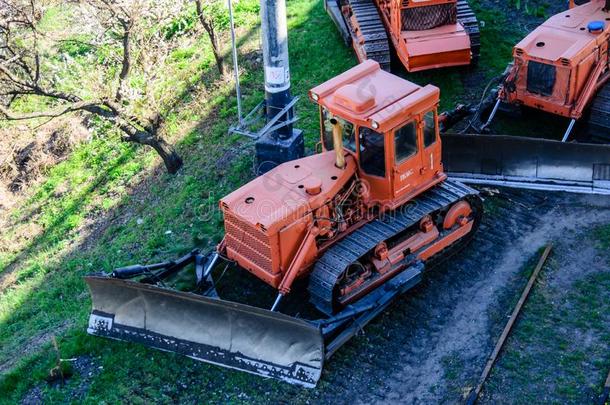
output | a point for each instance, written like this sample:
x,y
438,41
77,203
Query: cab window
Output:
x,y
372,152
405,142
429,128
349,132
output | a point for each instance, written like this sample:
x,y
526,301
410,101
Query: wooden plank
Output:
x,y
603,398
474,394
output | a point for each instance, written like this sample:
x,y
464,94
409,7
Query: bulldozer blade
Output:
x,y
219,332
530,163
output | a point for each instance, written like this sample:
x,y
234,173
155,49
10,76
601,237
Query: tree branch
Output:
x,y
126,63
13,116
208,26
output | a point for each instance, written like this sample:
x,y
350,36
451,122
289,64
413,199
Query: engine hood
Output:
x,y
289,192
565,36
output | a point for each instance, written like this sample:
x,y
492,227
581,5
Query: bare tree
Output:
x,y
29,69
209,12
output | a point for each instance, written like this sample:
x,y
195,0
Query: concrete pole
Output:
x,y
286,143
275,60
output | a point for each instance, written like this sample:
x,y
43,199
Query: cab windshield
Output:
x,y
349,133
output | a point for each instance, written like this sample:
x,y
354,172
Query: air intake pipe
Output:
x,y
338,143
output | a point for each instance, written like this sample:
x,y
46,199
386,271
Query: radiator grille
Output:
x,y
248,241
428,17
540,78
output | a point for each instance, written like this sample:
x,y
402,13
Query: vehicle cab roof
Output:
x,y
366,93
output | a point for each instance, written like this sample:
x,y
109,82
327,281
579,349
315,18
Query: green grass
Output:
x,y
113,190
602,234
547,352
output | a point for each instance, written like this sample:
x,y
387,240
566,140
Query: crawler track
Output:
x,y
598,127
331,265
376,45
469,21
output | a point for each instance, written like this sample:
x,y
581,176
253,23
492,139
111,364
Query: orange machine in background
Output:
x,y
426,34
562,68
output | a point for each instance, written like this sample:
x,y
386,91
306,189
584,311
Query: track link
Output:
x,y
334,261
598,122
469,21
376,45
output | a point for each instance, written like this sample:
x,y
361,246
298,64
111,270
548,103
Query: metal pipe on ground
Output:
x,y
605,395
474,394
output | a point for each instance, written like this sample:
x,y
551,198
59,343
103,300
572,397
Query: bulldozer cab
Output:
x,y
388,125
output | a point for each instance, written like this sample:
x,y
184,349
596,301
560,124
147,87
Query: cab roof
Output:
x,y
366,93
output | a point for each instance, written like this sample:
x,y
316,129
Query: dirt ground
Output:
x,y
26,154
432,345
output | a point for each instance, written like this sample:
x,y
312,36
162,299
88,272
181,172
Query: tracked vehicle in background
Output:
x,y
360,221
426,34
562,68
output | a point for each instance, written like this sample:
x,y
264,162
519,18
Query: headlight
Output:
x,y
374,124
315,96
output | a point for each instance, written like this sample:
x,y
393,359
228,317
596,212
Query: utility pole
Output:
x,y
282,142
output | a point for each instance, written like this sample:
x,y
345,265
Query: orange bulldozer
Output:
x,y
426,34
562,68
351,227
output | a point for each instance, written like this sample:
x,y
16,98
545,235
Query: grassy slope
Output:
x,y
543,343
115,191
109,205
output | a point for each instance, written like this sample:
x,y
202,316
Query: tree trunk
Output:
x,y
220,60
171,159
208,26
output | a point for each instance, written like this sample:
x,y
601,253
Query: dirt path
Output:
x,y
434,342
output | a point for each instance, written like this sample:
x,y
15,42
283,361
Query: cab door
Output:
x,y
374,167
407,163
431,149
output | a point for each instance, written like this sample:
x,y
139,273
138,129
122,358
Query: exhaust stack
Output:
x,y
338,143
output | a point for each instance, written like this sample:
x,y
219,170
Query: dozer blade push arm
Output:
x,y
160,271
296,265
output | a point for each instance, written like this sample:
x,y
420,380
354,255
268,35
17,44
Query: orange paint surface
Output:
x,y
278,224
578,57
